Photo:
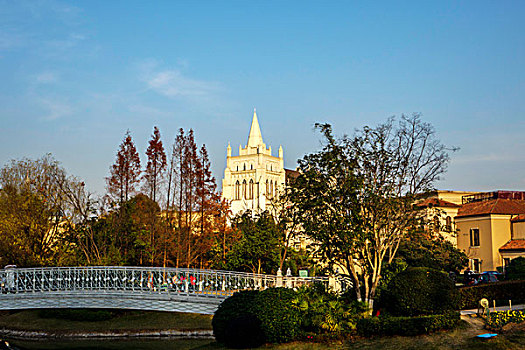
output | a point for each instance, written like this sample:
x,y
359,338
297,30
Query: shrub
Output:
x,y
516,269
244,332
407,325
420,291
496,320
238,305
324,313
269,316
500,291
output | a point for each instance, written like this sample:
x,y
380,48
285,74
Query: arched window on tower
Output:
x,y
243,189
244,168
250,189
267,188
237,190
271,188
251,166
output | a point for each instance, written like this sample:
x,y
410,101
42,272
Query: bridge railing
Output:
x,y
206,283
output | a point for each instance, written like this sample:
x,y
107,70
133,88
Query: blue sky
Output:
x,y
76,75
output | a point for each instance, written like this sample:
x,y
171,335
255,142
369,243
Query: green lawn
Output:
x,y
122,320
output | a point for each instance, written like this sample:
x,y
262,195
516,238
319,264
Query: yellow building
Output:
x,y
439,210
491,229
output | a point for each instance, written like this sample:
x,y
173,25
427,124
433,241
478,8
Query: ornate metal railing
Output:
x,y
147,280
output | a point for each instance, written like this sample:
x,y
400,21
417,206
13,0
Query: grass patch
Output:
x,y
53,320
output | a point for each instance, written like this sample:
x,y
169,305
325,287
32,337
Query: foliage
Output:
x,y
408,326
239,304
420,291
443,255
355,196
496,320
39,202
279,320
257,249
500,291
156,164
324,313
516,269
125,173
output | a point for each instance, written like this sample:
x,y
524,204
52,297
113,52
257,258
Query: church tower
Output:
x,y
254,177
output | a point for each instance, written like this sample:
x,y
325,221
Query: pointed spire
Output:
x,y
229,150
255,138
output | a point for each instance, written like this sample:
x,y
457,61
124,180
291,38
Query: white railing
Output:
x,y
148,280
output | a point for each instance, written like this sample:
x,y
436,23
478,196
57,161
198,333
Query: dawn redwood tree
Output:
x,y
125,173
191,167
356,195
154,170
156,164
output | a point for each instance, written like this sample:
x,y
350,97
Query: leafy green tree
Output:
x,y
257,250
356,195
420,251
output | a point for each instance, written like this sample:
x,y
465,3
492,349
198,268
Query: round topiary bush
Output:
x,y
280,320
251,318
238,305
420,291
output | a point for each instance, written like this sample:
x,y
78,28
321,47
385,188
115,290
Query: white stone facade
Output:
x,y
254,177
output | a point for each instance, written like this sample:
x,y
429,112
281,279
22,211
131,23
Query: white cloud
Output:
x,y
46,78
172,83
56,109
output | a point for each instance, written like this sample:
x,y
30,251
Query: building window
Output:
x,y
476,265
250,190
474,237
244,189
267,188
448,224
244,166
237,190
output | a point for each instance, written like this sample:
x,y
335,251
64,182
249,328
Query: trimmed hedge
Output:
x,y
386,325
420,291
251,318
497,320
500,291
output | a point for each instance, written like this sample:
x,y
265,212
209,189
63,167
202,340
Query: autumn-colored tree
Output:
x,y
156,164
39,203
125,173
191,168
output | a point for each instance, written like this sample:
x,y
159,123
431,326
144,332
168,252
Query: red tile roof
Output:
x,y
518,218
514,244
291,174
436,202
495,206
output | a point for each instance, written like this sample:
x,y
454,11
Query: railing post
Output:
x,y
279,280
